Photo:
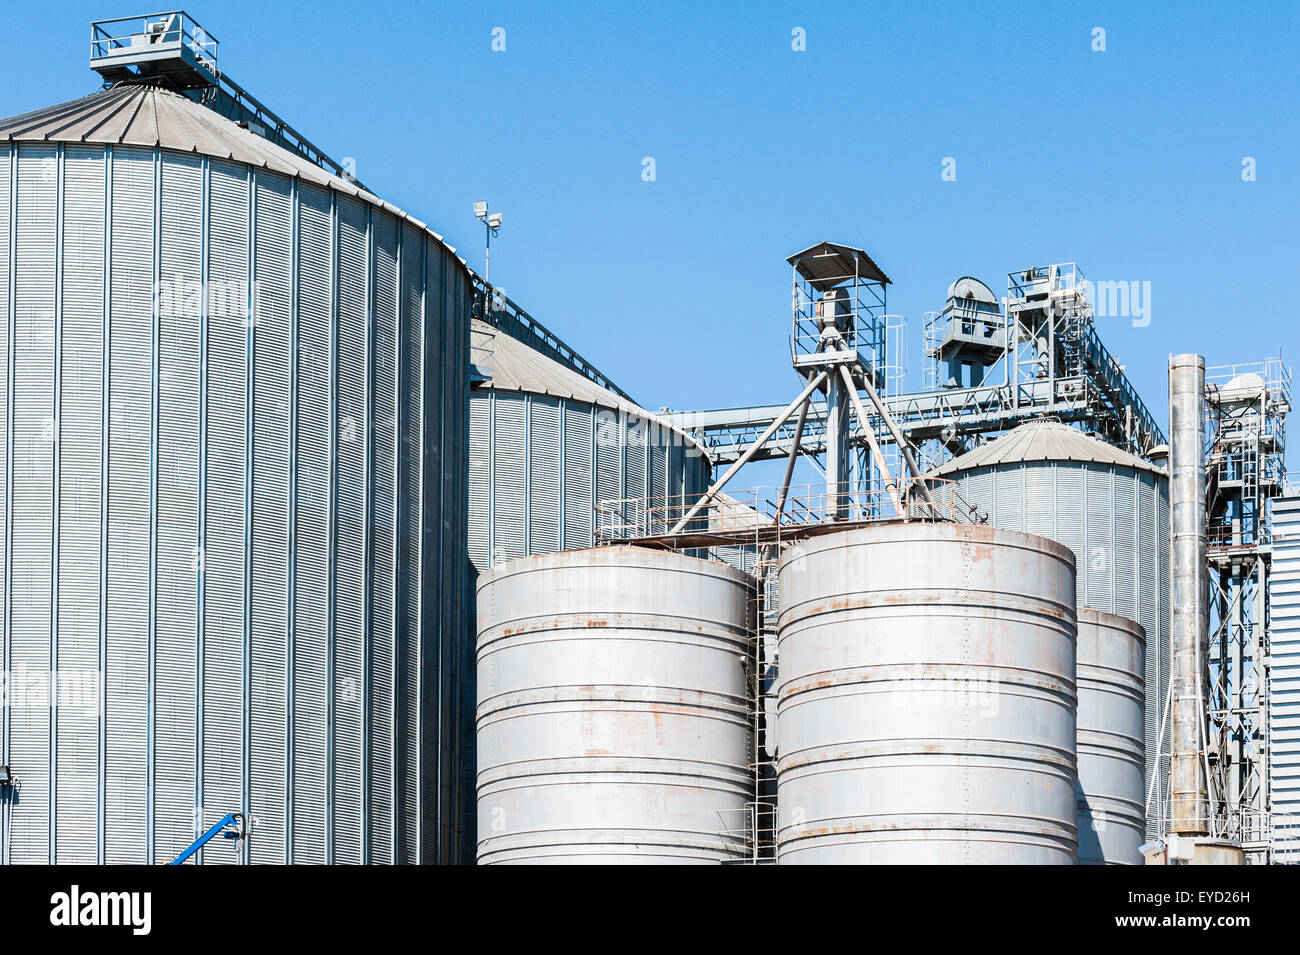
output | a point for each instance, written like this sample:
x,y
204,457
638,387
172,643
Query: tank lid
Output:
x,y
1102,618
1044,440
143,113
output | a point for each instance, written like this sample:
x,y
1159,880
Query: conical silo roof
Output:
x,y
1043,440
145,114
516,366
148,115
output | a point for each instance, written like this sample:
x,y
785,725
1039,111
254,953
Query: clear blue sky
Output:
x,y
1127,161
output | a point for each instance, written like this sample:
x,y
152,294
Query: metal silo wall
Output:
x,y
1116,520
454,590
926,698
538,465
252,528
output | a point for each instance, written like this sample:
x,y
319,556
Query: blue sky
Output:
x,y
1127,161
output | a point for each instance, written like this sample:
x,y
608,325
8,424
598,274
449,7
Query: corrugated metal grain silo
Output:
x,y
233,396
1109,507
547,444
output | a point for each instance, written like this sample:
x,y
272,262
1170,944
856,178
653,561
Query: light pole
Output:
x,y
492,224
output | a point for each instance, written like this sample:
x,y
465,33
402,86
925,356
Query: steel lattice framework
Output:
x,y
1054,364
1246,408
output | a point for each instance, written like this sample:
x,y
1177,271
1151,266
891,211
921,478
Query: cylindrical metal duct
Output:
x,y
926,703
1188,788
1111,816
613,709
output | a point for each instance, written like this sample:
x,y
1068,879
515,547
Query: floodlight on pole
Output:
x,y
492,225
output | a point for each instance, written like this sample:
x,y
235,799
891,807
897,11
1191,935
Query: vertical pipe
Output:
x,y
1258,796
869,434
151,691
200,573
332,538
1188,784
105,434
244,847
837,449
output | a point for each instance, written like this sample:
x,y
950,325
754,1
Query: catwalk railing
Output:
x,y
765,515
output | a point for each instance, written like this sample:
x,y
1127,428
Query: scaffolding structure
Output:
x,y
1049,314
989,368
990,365
772,516
1246,408
1041,356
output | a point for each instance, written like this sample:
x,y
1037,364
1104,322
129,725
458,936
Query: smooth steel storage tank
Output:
x,y
926,698
232,388
1111,508
1112,795
613,719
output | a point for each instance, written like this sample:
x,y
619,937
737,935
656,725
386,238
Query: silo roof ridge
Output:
x,y
149,115
518,367
1044,440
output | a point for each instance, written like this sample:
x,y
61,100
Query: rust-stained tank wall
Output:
x,y
613,715
1115,517
1111,797
926,701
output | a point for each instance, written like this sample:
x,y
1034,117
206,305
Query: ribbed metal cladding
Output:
x,y
232,405
1116,521
926,698
539,464
613,714
1112,767
1284,678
